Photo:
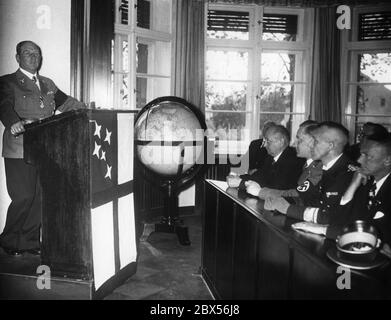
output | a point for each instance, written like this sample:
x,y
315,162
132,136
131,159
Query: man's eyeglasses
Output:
x,y
31,54
268,141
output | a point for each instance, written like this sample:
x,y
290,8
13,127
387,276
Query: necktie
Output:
x,y
35,80
371,195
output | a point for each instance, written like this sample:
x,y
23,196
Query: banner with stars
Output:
x,y
104,153
112,214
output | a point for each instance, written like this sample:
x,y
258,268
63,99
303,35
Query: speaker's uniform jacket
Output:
x,y
22,99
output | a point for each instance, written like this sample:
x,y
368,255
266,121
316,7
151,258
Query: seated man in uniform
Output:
x,y
330,139
281,168
368,195
311,172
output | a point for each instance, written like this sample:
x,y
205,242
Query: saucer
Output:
x,y
333,255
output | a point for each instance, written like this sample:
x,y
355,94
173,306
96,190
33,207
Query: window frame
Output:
x,y
131,32
351,49
255,47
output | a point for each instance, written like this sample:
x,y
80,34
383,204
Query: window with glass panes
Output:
x,y
367,56
257,70
142,52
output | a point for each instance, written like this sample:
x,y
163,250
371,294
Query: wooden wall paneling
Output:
x,y
273,264
314,280
225,246
149,198
311,280
245,255
66,172
209,227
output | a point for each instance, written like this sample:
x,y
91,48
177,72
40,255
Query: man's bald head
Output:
x,y
280,132
330,139
20,45
268,124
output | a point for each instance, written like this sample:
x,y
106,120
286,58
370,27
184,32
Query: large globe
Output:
x,y
169,136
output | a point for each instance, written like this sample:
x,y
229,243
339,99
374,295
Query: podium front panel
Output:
x,y
85,164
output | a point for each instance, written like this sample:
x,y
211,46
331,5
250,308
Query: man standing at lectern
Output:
x,y
25,96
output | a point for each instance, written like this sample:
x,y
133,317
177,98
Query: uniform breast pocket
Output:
x,y
48,100
25,103
333,198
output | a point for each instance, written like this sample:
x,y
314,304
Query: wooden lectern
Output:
x,y
85,164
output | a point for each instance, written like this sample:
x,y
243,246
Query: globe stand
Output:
x,y
170,222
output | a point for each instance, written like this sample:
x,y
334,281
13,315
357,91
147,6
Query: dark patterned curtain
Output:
x,y
189,64
326,83
189,52
92,30
302,3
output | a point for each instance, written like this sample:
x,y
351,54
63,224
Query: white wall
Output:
x,y
48,24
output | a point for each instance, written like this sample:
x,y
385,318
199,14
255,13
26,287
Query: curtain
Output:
x,y
189,65
92,30
189,52
326,84
300,3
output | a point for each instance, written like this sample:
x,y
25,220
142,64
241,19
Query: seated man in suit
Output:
x,y
257,151
281,168
311,172
330,139
255,156
368,195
